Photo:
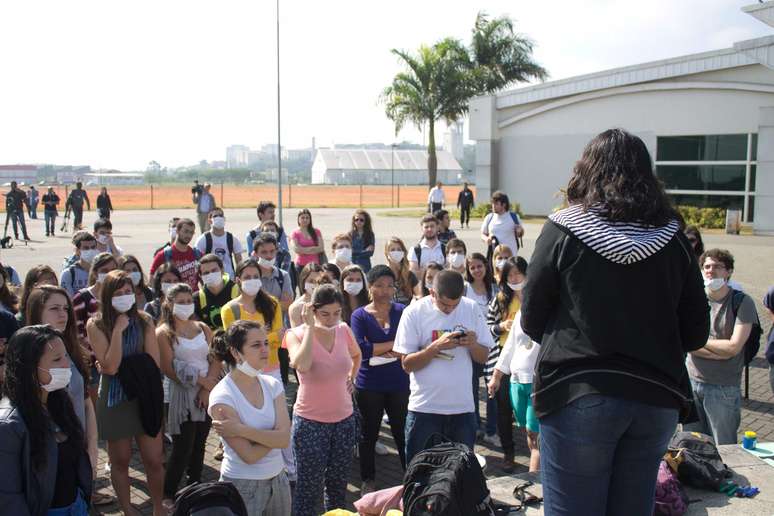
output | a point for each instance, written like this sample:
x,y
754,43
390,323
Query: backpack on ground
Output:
x,y
446,480
418,251
753,344
696,460
209,499
671,499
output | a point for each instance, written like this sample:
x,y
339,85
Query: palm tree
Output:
x,y
435,86
440,80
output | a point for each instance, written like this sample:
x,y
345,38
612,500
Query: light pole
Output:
x,y
392,168
279,125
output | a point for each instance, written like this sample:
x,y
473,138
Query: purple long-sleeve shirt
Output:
x,y
383,378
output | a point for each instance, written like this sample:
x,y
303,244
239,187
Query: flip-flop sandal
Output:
x,y
102,498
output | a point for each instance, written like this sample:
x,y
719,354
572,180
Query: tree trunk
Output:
x,y
432,158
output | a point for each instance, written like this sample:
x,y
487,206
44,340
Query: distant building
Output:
x,y
375,167
454,141
270,149
113,178
297,154
237,156
19,173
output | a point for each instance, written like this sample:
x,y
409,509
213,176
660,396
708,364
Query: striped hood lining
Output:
x,y
620,242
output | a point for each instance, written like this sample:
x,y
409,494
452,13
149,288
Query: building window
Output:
x,y
709,170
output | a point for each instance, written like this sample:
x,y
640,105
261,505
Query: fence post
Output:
x,y
151,196
290,195
221,195
361,195
398,195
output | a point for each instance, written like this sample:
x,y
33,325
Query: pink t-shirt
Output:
x,y
322,391
301,239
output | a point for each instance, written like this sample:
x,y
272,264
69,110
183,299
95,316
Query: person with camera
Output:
x,y
15,200
438,339
205,203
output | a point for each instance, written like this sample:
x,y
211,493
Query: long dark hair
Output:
x,y
130,258
693,233
30,280
22,387
368,230
615,175
505,293
310,228
8,298
36,302
488,275
105,318
263,302
163,269
362,297
167,318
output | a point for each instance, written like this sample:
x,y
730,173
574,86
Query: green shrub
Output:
x,y
705,218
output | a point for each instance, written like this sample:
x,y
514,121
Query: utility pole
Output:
x,y
279,126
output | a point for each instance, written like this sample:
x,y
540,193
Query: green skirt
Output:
x,y
119,422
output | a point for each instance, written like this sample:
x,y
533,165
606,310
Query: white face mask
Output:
x,y
429,285
101,276
714,284
456,260
263,262
516,286
166,286
88,255
248,369
212,279
135,277
123,303
353,287
218,222
60,378
309,287
183,312
344,254
500,263
103,239
396,256
271,233
251,287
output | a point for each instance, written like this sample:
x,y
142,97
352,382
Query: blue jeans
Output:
x,y
50,218
77,508
460,428
600,455
720,411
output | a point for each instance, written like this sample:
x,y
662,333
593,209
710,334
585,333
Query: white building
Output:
x,y
237,156
707,119
454,141
26,174
377,166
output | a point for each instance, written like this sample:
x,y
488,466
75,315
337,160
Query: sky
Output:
x,y
117,84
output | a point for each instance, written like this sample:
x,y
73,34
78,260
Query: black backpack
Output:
x,y
418,251
753,344
697,460
446,480
209,499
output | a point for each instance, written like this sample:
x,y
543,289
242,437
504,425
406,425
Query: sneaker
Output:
x,y
381,449
493,440
386,419
366,487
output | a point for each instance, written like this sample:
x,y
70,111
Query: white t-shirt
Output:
x,y
429,254
443,386
481,300
503,228
220,248
436,195
227,393
519,354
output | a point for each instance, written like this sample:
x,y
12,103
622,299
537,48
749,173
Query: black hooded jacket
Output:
x,y
615,307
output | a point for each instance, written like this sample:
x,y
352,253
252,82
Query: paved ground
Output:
x,y
139,232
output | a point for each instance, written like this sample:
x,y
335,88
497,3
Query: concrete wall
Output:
x,y
536,154
764,183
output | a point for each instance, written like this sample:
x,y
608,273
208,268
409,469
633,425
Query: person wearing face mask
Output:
x,y
326,357
502,312
716,369
120,333
86,305
308,279
220,242
103,232
184,346
250,414
406,282
455,255
215,291
431,271
131,265
445,233
354,291
181,254
76,276
165,277
381,384
500,255
274,280
342,250
253,304
44,460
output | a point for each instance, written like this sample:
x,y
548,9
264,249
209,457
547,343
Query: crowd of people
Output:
x,y
619,327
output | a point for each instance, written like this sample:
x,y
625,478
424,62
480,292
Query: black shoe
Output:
x,y
47,234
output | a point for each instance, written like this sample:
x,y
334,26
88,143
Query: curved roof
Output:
x,y
379,159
